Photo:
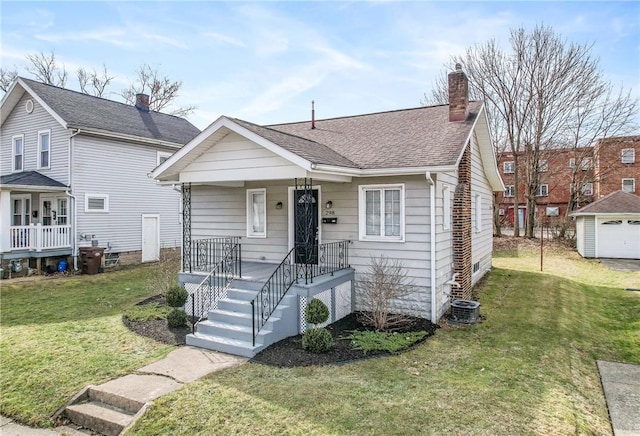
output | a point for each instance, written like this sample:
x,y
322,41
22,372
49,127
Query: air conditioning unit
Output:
x,y
465,311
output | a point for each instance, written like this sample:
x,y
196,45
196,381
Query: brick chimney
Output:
x,y
458,95
142,102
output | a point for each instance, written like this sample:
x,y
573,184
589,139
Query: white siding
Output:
x,y
444,242
580,235
119,170
481,241
589,236
19,122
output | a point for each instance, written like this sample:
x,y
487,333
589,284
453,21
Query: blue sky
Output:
x,y
265,62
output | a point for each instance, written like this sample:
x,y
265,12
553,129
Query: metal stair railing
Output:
x,y
215,285
302,262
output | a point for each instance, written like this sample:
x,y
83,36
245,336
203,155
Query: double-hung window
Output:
x,y
509,167
257,213
629,185
381,212
587,189
510,191
17,153
44,149
543,166
628,155
543,191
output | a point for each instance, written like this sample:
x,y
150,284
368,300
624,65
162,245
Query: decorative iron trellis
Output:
x,y
186,227
306,222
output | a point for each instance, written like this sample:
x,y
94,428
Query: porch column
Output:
x,y
5,221
186,227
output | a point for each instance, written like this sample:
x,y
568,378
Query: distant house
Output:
x,y
609,227
73,172
303,207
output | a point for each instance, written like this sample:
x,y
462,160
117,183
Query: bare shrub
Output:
x,y
165,271
384,281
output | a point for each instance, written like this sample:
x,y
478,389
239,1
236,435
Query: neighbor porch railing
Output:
x,y
38,237
205,254
302,262
215,284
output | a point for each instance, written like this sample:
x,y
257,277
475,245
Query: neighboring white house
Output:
x,y
74,171
609,227
414,185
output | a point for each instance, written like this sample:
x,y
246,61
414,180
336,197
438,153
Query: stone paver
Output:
x,y
187,364
621,384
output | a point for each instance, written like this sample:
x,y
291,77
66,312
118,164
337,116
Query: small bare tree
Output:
x,y
384,282
45,69
162,90
92,82
165,270
7,77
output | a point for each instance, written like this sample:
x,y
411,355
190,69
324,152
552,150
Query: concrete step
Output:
x,y
224,344
231,305
249,285
99,417
115,400
231,317
226,330
241,294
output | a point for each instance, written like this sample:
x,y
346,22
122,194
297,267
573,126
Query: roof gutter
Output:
x,y
106,134
432,244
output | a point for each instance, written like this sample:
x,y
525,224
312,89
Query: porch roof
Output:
x,y
31,180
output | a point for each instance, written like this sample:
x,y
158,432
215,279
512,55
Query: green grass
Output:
x,y
58,335
147,312
384,341
529,368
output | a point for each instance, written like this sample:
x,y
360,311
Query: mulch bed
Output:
x,y
288,352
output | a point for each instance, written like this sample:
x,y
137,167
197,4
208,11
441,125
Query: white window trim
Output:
x,y
504,167
543,166
13,153
362,219
22,198
40,134
446,208
538,192
572,162
586,163
250,233
105,197
161,154
478,207
633,185
506,191
583,189
632,155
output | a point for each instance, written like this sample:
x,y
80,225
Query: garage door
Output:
x,y
619,237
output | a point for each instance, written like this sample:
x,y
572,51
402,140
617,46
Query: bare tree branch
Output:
x,y
92,83
7,77
46,70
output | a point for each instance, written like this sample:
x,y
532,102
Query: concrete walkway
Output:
x,y
621,384
182,366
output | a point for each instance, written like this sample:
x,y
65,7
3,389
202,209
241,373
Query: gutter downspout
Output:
x,y
74,247
432,244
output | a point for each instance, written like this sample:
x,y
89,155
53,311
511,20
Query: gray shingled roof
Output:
x,y
616,202
417,137
30,178
85,111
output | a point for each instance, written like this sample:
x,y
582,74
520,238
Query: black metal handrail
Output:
x,y
215,284
207,253
302,262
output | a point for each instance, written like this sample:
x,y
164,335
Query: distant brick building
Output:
x,y
612,164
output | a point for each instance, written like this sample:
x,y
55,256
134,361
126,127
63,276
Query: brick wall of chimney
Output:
x,y
142,102
458,95
462,228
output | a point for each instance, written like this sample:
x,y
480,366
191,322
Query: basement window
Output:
x,y
476,267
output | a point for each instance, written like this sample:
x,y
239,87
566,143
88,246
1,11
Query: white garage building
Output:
x,y
609,227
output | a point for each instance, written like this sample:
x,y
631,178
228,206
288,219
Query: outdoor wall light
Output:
x,y
279,205
329,204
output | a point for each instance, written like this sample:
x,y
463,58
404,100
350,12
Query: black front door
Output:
x,y
306,225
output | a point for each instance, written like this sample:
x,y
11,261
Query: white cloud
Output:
x,y
226,39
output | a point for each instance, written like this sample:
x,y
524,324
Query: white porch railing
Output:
x,y
38,237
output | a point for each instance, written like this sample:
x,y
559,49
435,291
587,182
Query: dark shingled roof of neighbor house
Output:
x,y
616,202
80,110
419,137
30,178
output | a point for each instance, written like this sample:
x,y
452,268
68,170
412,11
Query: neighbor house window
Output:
x,y
96,203
478,212
509,167
543,166
509,191
628,155
44,149
553,211
381,212
572,162
543,191
446,207
257,213
162,157
629,185
585,164
17,152
587,189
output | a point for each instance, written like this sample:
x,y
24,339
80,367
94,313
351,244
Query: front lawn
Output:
x,y
58,335
529,368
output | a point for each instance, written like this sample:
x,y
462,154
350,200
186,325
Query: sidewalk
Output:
x,y
182,366
621,384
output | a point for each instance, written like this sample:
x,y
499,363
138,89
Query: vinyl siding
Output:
x,y
589,236
119,169
481,241
444,242
19,122
580,235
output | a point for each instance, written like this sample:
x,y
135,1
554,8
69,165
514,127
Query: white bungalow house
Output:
x,y
298,210
73,172
609,227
